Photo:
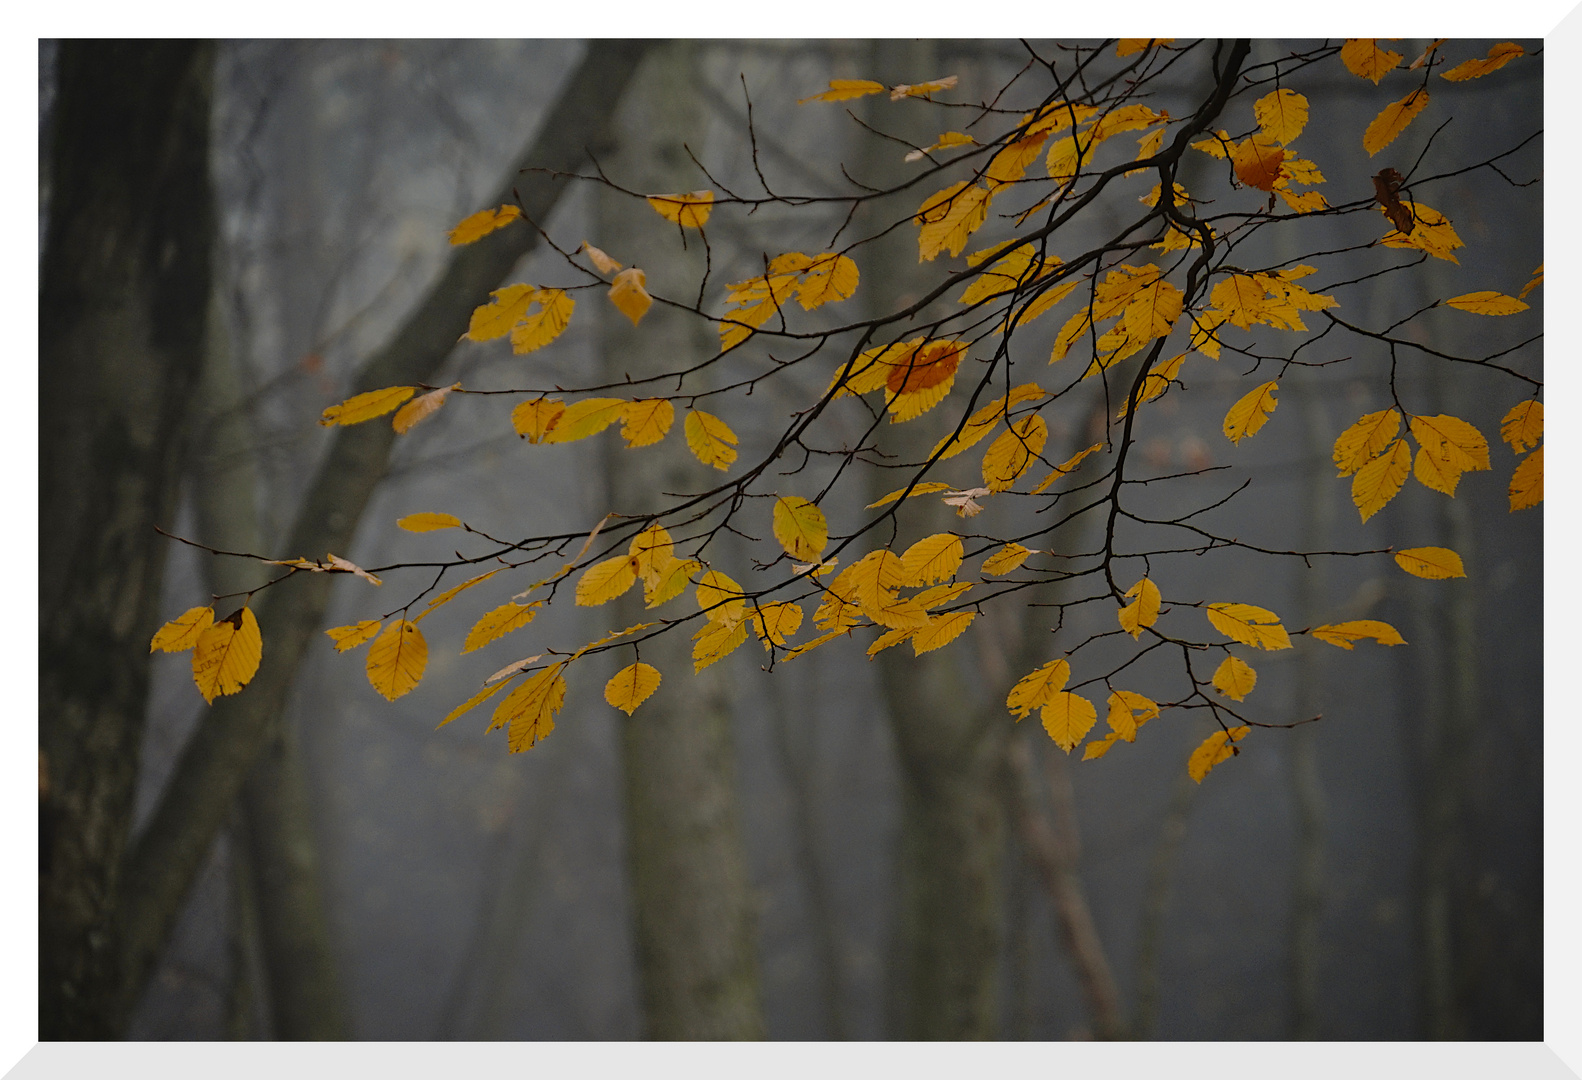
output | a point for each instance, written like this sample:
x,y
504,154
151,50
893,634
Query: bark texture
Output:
x,y
123,298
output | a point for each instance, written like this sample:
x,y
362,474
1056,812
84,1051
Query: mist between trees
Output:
x,y
1210,823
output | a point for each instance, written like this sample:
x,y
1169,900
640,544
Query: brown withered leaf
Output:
x,y
1386,188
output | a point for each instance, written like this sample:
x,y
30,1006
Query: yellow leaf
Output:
x,y
1393,120
800,527
1487,302
948,217
1013,451
1010,163
349,637
933,558
940,595
1070,465
983,421
1143,611
674,577
631,686
809,646
539,329
897,614
629,293
454,591
483,223
1431,233
1448,447
1153,311
774,623
927,488
1099,747
1523,426
1347,634
498,317
842,89
1067,718
715,642
534,419
720,598
652,552
397,658
1499,55
1282,114
1235,678
226,654
1204,339
1255,626
1527,482
1037,688
1128,711
1044,302
1128,46
828,278
941,631
1537,280
607,638
1364,58
1219,146
1257,162
1433,563
890,638
409,415
944,142
1377,482
182,633
1248,415
600,260
921,89
1366,440
429,522
710,439
467,706
1213,750
645,422
604,581
530,709
354,410
689,209
1008,559
584,418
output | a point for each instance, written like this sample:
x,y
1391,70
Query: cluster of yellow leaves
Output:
x,y
1250,625
1523,428
1263,160
1498,56
512,312
644,422
985,420
1378,462
1431,232
816,280
225,654
1145,305
846,89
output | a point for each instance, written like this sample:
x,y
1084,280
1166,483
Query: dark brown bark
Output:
x,y
226,745
123,298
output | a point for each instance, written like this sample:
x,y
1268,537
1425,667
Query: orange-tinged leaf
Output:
x,y
1499,55
715,642
1364,58
409,415
775,623
1250,625
604,581
1143,611
688,209
349,637
930,364
226,655
800,527
1235,678
1038,687
1487,302
645,422
1527,482
1128,46
629,293
534,419
710,439
1433,563
1282,114
948,217
1007,560
720,598
1393,120
498,317
471,703
829,278
1523,426
933,558
1377,482
927,488
483,223
1068,717
1248,415
600,260
1366,440
545,325
1347,634
941,631
631,686
1213,750
584,418
1257,162
428,522
354,410
397,658
1129,711
843,89
529,710
182,632
1013,451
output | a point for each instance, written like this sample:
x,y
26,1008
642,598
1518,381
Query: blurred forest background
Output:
x,y
1376,875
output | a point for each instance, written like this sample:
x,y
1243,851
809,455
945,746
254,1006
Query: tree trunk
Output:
x,y
225,747
124,288
696,947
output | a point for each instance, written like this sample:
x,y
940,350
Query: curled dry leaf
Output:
x,y
339,563
603,262
420,407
